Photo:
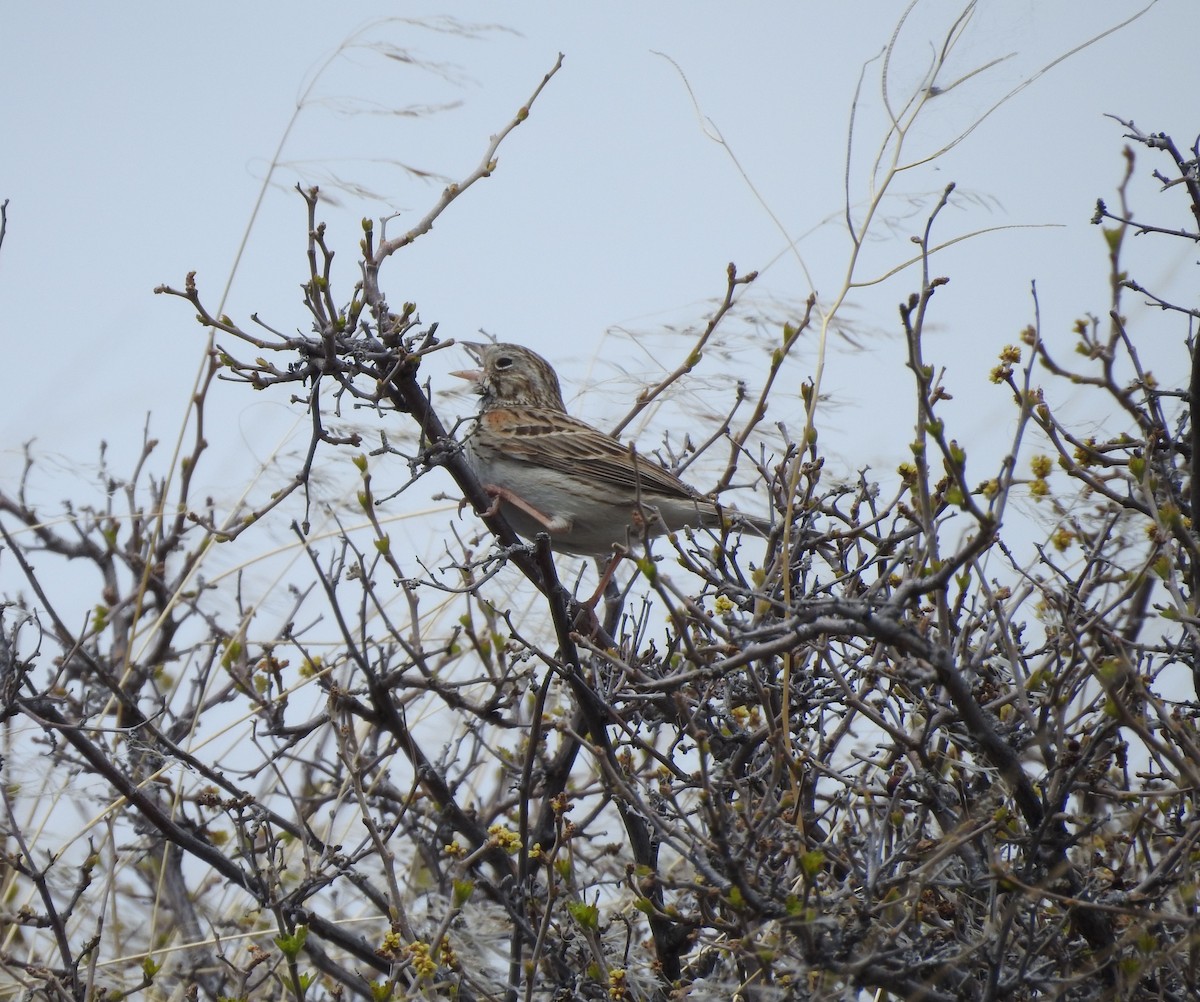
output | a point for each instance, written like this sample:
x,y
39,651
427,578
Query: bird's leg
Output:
x,y
614,603
553,523
606,579
587,622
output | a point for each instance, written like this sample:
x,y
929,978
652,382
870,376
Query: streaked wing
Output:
x,y
560,442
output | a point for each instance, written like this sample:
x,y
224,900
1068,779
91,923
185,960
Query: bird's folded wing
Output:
x,y
574,447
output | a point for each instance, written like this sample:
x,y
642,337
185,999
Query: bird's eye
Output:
x,y
504,362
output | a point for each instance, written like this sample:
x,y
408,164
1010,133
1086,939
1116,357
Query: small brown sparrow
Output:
x,y
550,472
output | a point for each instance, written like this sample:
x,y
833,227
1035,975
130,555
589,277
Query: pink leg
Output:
x,y
605,578
552,522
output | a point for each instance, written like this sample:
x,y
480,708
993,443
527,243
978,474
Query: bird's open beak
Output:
x,y
471,375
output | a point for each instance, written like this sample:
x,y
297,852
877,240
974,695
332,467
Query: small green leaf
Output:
x,y
293,944
462,891
587,916
233,651
381,991
647,567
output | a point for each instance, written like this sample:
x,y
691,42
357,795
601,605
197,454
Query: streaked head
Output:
x,y
512,376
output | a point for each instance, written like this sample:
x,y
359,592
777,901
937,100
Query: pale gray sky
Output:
x,y
136,136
